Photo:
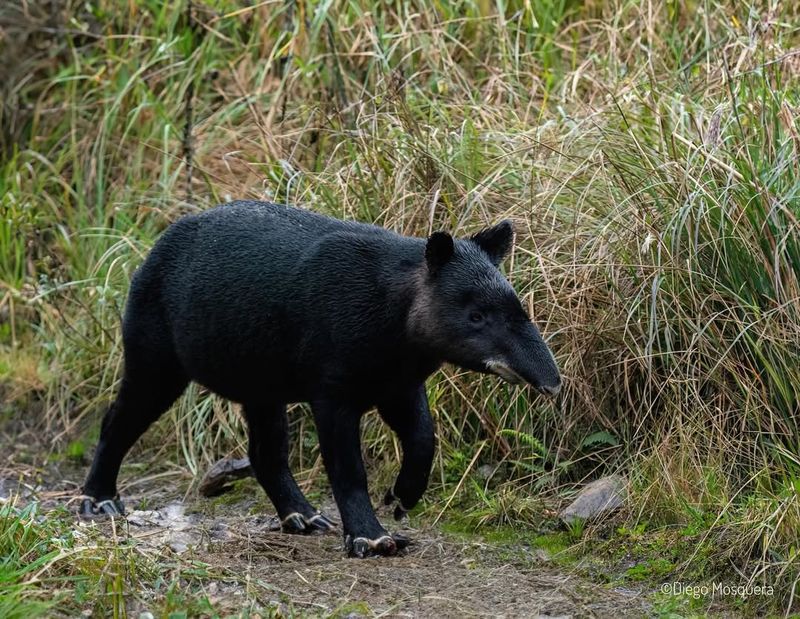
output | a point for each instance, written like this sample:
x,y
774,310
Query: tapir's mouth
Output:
x,y
503,371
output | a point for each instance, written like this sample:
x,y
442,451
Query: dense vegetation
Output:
x,y
647,151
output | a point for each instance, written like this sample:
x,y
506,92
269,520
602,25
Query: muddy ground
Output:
x,y
252,565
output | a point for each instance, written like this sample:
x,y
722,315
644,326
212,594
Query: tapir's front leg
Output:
x,y
340,444
409,416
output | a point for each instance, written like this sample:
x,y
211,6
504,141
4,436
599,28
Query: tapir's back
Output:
x,y
226,283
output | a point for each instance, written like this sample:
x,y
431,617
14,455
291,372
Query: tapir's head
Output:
x,y
469,315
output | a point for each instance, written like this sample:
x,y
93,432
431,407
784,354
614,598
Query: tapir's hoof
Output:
x,y
384,546
93,509
297,523
400,510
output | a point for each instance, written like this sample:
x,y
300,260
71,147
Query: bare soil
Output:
x,y
439,575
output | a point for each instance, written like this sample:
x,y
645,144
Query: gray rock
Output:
x,y
597,498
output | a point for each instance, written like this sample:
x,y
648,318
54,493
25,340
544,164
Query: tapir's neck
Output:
x,y
407,296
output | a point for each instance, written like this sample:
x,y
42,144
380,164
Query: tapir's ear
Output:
x,y
438,251
496,241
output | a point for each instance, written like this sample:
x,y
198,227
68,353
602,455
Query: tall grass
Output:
x,y
648,153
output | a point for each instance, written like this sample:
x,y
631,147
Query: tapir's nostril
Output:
x,y
551,390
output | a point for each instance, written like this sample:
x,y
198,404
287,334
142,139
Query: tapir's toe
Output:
x,y
318,522
91,508
294,523
401,540
384,546
297,523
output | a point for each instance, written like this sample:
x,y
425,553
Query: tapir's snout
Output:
x,y
551,390
528,360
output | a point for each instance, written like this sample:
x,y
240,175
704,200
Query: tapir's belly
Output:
x,y
243,366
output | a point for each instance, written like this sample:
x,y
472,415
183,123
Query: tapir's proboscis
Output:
x,y
268,305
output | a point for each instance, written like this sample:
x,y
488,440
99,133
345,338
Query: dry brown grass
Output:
x,y
646,152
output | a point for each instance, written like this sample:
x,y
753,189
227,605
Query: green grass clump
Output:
x,y
646,152
26,549
49,566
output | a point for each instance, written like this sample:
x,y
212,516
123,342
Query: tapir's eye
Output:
x,y
475,317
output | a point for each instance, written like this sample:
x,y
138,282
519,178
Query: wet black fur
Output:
x,y
267,305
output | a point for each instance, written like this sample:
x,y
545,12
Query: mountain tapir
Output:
x,y
266,305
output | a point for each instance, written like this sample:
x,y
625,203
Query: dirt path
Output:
x,y
439,576
248,562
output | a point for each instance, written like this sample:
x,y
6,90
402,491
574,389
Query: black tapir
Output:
x,y
267,304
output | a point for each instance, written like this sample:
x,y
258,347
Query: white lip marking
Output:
x,y
503,371
553,391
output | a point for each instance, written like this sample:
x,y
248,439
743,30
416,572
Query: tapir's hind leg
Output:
x,y
269,457
149,386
